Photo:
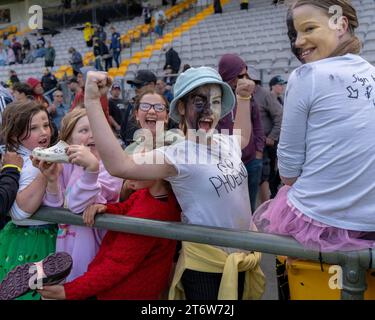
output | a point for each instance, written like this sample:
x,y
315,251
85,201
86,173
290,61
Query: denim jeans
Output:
x,y
254,171
116,57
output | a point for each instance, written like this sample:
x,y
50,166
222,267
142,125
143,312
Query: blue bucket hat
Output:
x,y
194,78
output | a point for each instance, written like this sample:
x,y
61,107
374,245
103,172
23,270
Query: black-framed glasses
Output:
x,y
158,107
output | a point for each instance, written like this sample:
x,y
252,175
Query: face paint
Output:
x,y
292,35
203,108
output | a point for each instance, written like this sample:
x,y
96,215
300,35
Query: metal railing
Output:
x,y
354,264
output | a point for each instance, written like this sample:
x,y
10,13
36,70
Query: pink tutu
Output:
x,y
279,216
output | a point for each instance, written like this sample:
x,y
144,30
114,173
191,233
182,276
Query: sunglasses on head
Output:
x,y
158,107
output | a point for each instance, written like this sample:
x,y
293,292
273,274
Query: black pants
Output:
x,y
205,285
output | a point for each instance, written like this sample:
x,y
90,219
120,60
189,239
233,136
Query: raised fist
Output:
x,y
97,84
245,87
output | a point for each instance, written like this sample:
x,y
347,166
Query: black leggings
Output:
x,y
205,285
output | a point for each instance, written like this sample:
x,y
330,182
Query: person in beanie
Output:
x,y
232,68
38,91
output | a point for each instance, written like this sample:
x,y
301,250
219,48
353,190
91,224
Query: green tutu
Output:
x,y
20,245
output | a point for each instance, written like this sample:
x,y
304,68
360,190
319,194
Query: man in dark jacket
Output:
x,y
9,178
49,81
172,59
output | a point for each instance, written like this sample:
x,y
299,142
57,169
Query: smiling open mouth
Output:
x,y
205,124
306,53
151,122
43,142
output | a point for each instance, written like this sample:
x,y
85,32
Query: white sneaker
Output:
x,y
55,153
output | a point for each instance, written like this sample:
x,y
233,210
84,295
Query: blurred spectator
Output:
x,y
37,91
29,56
217,6
75,60
74,88
115,46
58,109
17,49
244,4
160,22
161,88
26,47
50,55
13,78
102,54
6,41
22,92
5,98
147,12
40,42
101,34
26,44
3,56
88,34
11,56
277,87
172,64
116,107
172,59
38,52
49,81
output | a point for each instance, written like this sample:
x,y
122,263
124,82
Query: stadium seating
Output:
x,y
257,34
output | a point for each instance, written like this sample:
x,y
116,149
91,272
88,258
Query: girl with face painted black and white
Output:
x,y
206,174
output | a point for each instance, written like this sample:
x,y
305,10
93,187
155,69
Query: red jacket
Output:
x,y
130,266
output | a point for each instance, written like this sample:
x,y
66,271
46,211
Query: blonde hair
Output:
x,y
69,122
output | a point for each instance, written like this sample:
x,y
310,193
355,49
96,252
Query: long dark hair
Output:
x,y
16,122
